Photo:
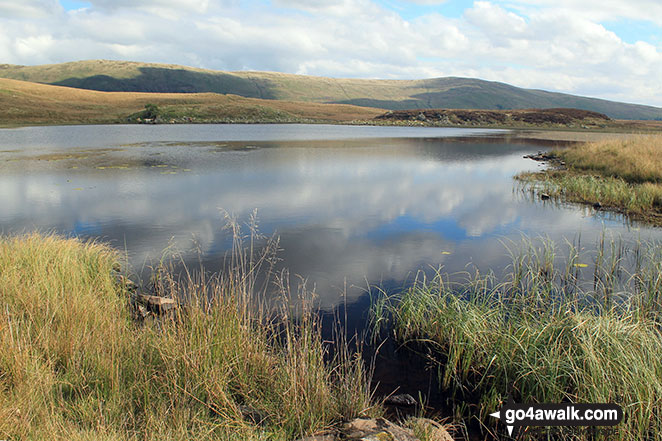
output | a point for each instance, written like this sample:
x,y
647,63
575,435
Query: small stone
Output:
x,y
401,400
544,196
597,205
378,429
156,303
253,415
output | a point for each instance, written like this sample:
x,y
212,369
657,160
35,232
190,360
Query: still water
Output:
x,y
352,205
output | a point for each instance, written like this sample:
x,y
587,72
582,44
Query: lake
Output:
x,y
353,205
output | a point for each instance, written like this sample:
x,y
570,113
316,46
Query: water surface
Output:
x,y
352,205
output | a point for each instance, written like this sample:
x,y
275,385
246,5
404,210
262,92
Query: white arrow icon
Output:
x,y
498,415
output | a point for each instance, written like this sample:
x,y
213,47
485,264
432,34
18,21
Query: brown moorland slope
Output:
x,y
31,103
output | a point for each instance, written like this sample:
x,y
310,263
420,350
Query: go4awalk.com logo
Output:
x,y
558,414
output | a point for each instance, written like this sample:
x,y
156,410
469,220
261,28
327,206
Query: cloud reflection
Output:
x,y
346,212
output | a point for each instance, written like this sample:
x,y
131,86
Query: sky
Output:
x,y
609,49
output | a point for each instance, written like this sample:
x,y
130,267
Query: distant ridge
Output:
x,y
448,92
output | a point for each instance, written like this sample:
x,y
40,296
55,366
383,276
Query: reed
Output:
x,y
553,329
622,174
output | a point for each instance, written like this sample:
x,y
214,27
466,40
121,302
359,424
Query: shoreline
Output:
x,y
616,174
176,350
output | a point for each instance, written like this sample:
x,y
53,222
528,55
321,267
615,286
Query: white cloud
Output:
x,y
597,10
28,8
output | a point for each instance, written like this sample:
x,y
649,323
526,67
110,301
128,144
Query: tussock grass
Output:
x,y
636,159
74,365
620,174
542,336
643,201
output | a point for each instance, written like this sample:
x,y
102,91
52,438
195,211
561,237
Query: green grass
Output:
x,y
543,336
75,365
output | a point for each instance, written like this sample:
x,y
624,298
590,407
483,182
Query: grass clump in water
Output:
x,y
74,365
620,174
544,336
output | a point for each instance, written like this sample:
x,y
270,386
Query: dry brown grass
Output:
x,y
73,364
32,103
635,159
622,174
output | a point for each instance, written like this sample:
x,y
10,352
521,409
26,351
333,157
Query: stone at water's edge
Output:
x,y
405,400
157,303
380,429
377,429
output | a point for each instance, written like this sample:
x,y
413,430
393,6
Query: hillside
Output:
x,y
450,93
32,103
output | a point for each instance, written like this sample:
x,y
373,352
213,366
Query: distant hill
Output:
x,y
31,103
450,92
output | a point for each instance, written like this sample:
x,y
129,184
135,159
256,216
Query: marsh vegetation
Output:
x,y
624,175
545,332
74,364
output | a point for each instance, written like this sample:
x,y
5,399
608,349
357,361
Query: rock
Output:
x,y
404,400
156,303
540,156
544,196
432,429
253,415
597,205
377,429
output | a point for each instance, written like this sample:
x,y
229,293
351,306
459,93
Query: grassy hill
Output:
x,y
32,103
451,92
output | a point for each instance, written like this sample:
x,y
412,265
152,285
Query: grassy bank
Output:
x,y
74,365
542,335
623,175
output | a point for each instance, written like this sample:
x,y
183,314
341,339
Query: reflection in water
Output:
x,y
348,211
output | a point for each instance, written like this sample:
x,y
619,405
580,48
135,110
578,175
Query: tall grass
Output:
x,y
620,174
636,199
74,365
545,333
635,159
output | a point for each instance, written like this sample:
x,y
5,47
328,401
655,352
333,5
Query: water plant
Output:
x,y
623,174
557,327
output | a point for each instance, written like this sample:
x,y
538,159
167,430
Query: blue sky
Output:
x,y
609,49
